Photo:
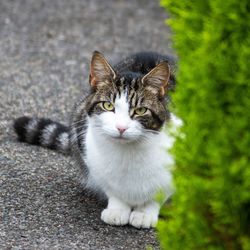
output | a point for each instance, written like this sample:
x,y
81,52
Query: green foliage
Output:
x,y
211,208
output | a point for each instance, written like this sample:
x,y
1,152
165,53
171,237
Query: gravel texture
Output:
x,y
45,47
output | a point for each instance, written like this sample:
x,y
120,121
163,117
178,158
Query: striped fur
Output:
x,y
43,132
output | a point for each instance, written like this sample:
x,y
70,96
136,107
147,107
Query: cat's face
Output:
x,y
128,106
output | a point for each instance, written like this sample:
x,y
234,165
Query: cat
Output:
x,y
116,134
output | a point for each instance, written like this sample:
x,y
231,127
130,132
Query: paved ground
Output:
x,y
45,48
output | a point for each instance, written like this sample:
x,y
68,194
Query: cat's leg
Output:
x,y
145,216
117,213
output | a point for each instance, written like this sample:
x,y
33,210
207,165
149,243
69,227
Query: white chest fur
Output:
x,y
133,172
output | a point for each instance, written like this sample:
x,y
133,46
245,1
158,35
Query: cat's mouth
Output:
x,y
122,138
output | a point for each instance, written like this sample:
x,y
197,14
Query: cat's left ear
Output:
x,y
157,79
100,70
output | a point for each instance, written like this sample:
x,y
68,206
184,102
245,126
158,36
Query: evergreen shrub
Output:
x,y
211,206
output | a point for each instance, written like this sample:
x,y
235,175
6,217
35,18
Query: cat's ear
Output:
x,y
157,79
100,70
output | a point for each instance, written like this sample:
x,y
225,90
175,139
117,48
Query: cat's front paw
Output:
x,y
140,219
117,217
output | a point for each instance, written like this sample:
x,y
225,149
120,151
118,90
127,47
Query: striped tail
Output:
x,y
43,132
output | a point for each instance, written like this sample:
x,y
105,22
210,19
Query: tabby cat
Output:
x,y
116,135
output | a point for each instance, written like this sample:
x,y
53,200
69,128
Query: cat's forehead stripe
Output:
x,y
134,98
133,83
140,100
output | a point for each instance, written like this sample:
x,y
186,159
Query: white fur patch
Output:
x,y
46,134
132,172
31,129
63,140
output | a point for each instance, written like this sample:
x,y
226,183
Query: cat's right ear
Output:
x,y
157,79
100,70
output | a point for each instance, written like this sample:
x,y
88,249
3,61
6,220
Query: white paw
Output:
x,y
142,219
116,217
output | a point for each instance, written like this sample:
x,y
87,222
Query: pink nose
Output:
x,y
121,129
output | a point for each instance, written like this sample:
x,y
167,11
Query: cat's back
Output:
x,y
143,62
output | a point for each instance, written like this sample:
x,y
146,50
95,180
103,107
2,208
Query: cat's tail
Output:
x,y
43,132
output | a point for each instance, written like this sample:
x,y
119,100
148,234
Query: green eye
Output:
x,y
140,111
108,106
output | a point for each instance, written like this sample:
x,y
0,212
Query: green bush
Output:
x,y
211,207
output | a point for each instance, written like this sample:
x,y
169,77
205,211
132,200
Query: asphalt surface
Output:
x,y
45,47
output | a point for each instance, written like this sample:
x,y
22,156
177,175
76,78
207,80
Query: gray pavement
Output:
x,y
45,46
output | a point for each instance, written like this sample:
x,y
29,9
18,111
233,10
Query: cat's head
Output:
x,y
126,106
